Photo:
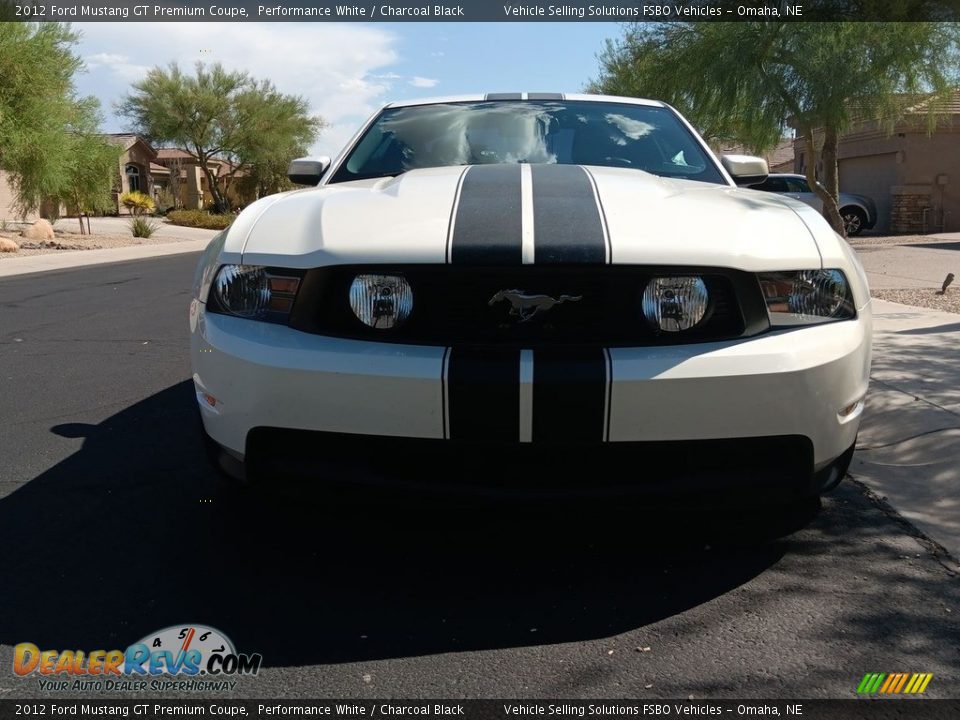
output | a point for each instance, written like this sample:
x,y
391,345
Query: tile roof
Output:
x,y
782,153
172,153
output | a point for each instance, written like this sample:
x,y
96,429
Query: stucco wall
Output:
x,y
7,202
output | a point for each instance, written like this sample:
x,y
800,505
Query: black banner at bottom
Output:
x,y
868,709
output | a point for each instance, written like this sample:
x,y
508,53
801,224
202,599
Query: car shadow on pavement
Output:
x,y
134,533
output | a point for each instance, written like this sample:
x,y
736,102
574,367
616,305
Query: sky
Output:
x,y
347,70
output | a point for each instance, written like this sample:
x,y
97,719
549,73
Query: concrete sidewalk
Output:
x,y
78,258
909,445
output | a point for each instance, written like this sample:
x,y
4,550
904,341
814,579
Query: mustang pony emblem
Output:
x,y
526,306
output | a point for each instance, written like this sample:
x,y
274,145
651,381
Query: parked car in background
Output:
x,y
859,212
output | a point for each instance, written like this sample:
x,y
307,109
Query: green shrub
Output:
x,y
137,203
199,219
142,227
165,201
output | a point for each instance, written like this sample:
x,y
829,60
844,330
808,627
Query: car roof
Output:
x,y
493,97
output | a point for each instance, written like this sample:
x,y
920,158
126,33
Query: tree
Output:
x,y
275,133
747,81
219,114
176,167
48,141
89,167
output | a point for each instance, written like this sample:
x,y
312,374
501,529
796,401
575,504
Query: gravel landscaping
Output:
x,y
923,297
76,241
107,233
862,241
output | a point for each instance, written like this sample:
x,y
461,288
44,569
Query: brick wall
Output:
x,y
907,205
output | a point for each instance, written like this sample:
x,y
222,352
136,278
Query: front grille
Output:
x,y
451,305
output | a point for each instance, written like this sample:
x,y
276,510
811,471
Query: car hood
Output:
x,y
417,216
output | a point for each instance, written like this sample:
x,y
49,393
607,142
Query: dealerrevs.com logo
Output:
x,y
180,657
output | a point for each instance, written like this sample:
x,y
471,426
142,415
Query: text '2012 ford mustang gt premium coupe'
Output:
x,y
544,275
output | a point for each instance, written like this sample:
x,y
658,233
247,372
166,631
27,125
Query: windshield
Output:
x,y
640,137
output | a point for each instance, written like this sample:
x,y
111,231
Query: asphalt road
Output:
x,y
111,527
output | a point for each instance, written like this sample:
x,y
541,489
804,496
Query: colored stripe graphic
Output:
x,y
898,685
566,217
487,227
871,683
890,679
894,683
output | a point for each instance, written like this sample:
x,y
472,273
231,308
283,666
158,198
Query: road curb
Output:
x,y
64,260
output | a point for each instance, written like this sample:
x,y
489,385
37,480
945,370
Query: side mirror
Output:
x,y
307,170
745,169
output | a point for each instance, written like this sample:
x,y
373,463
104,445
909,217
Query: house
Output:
x,y
171,176
135,171
912,173
8,209
186,179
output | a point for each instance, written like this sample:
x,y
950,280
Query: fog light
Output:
x,y
673,304
381,301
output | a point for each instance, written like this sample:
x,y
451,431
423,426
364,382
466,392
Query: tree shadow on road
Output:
x,y
133,533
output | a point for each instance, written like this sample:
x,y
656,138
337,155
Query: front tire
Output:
x,y
854,220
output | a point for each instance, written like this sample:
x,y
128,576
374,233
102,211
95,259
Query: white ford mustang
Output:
x,y
534,272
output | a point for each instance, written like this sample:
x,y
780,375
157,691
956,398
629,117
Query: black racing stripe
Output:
x,y
504,96
603,214
487,229
544,96
569,395
567,225
483,391
453,210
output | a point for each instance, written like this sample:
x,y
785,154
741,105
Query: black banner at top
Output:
x,y
478,10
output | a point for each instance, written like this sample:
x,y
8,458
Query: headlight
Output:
x,y
806,297
673,304
252,291
381,301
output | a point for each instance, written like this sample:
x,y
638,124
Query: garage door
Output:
x,y
873,176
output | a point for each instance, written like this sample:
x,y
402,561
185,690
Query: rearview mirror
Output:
x,y
307,170
745,169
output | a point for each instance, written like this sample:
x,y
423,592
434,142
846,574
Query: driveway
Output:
x,y
121,226
913,265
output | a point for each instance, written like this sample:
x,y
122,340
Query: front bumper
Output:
x,y
788,383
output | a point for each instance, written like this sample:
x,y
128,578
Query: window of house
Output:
x,y
133,177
